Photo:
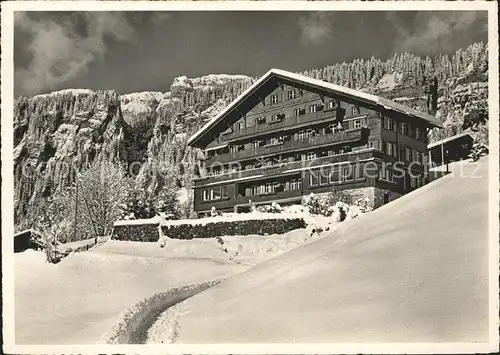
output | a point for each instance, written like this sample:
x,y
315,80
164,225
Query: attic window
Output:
x,y
331,104
261,120
274,99
355,110
292,94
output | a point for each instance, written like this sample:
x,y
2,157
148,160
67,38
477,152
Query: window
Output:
x,y
260,120
419,181
358,174
296,112
241,125
385,173
292,94
257,144
269,188
335,127
333,176
311,156
312,108
410,130
323,177
313,178
347,173
404,129
391,149
373,144
418,156
293,184
355,110
224,191
417,133
408,154
215,193
388,123
331,104
302,134
357,124
299,184
413,182
277,117
276,140
388,148
274,99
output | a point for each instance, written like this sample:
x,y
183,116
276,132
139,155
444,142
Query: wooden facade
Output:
x,y
289,135
455,148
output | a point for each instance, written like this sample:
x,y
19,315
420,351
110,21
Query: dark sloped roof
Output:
x,y
305,80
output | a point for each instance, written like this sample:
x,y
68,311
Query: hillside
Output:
x,y
414,270
56,134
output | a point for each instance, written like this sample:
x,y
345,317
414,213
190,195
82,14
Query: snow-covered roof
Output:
x,y
369,98
217,147
31,230
154,220
448,139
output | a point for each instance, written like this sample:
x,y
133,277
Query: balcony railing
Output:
x,y
290,122
274,170
243,200
290,146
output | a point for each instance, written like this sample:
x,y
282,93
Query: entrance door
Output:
x,y
386,198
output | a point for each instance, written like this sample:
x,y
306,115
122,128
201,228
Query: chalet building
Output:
x,y
289,135
450,149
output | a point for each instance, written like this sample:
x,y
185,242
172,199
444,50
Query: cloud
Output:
x,y
437,31
315,27
62,47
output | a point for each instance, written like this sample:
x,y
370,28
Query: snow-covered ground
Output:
x,y
415,270
79,299
82,297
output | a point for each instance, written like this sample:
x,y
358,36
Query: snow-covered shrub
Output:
x,y
272,208
363,205
340,211
477,151
324,204
253,208
214,212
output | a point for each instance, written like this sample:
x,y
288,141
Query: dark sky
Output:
x,y
141,51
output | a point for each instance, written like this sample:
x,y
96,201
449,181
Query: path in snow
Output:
x,y
415,270
82,297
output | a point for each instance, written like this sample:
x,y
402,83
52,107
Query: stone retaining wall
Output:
x,y
219,229
140,232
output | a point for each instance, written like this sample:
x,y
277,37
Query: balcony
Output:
x,y
288,123
288,168
243,200
293,145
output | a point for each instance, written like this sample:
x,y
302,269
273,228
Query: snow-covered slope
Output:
x,y
415,270
81,298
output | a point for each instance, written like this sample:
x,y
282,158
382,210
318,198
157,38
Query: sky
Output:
x,y
145,51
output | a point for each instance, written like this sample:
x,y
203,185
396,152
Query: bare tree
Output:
x,y
102,190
